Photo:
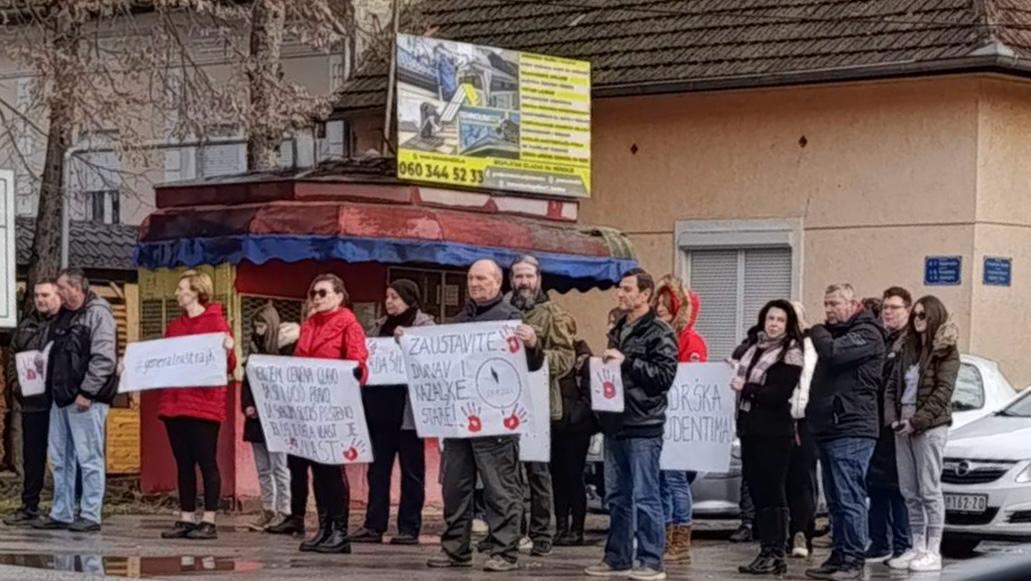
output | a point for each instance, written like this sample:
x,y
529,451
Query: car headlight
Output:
x,y
1025,474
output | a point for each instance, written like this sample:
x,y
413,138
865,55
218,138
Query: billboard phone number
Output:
x,y
453,174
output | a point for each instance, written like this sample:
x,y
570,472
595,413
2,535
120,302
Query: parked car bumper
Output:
x,y
1008,511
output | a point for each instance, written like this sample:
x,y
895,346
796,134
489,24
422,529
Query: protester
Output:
x,y
802,483
645,348
269,336
766,378
495,459
81,379
193,415
331,331
889,520
555,330
873,304
388,412
918,404
31,335
570,440
842,416
679,309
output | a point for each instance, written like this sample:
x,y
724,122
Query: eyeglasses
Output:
x,y
921,316
320,293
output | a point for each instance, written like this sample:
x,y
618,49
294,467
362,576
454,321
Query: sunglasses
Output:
x,y
921,316
320,293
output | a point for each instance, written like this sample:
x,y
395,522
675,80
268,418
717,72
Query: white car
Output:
x,y
986,478
980,390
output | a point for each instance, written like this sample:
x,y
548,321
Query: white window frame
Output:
x,y
738,235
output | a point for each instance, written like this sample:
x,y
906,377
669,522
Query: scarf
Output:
x,y
763,355
405,319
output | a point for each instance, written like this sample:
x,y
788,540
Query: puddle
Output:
x,y
131,567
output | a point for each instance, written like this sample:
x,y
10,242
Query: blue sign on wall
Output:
x,y
998,271
943,270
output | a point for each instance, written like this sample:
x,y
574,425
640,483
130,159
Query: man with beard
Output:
x,y
556,332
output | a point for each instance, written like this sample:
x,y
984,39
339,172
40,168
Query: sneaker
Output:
x,y
205,531
364,535
799,546
848,572
49,524
23,518
443,561
179,530
876,556
541,549
743,534
497,564
926,563
263,521
405,539
480,526
84,525
646,574
901,563
525,545
603,569
824,571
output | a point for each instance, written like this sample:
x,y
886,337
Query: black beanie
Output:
x,y
408,291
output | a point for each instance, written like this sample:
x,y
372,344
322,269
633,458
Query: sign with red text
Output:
x,y
699,419
467,380
310,408
606,386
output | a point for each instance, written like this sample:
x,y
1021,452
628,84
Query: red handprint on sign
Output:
x,y
472,412
608,383
513,344
356,449
516,419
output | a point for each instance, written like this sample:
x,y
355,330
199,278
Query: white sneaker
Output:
x,y
480,526
799,549
646,574
902,562
926,563
525,544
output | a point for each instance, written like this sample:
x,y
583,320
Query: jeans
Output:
x,y
675,487
273,478
888,523
194,445
845,462
634,502
919,460
77,440
35,430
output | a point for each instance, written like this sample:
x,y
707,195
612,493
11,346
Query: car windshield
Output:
x,y
1018,409
969,393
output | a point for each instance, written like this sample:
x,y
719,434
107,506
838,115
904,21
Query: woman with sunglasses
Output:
x,y
331,331
918,405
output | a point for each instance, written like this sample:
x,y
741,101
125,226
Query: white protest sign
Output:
x,y
535,442
606,386
32,371
310,408
189,361
467,380
699,419
385,363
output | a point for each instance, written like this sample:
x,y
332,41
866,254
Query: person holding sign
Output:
x,y
646,350
31,335
392,429
570,440
193,415
330,332
766,377
494,458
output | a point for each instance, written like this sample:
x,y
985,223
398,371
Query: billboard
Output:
x,y
491,118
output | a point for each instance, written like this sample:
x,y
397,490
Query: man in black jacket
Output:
x,y
494,458
646,350
843,419
31,335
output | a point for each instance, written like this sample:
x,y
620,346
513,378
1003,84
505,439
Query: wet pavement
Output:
x,y
131,547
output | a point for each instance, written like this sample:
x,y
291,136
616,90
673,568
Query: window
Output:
x,y
103,206
95,176
969,392
225,153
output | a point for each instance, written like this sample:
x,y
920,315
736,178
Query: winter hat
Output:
x,y
408,291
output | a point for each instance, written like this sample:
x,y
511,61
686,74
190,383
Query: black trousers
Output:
x,y
388,442
195,443
765,464
35,427
802,487
332,491
568,461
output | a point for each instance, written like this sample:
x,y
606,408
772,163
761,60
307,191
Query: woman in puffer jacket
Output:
x,y
193,415
918,405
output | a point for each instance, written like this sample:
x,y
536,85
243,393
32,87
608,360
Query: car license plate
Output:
x,y
968,503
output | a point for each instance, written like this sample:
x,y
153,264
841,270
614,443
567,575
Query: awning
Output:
x,y
571,256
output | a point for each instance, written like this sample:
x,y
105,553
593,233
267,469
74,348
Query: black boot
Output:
x,y
325,530
758,566
337,541
561,526
773,525
293,525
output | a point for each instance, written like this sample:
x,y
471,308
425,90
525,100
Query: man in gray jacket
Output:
x,y
81,378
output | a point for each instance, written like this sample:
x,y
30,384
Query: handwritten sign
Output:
x,y
191,361
699,419
386,364
606,386
467,380
310,408
32,371
535,442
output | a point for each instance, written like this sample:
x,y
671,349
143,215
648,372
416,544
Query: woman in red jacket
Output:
x,y
330,332
193,415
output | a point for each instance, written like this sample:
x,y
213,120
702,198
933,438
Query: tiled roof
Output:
x,y
92,245
678,45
